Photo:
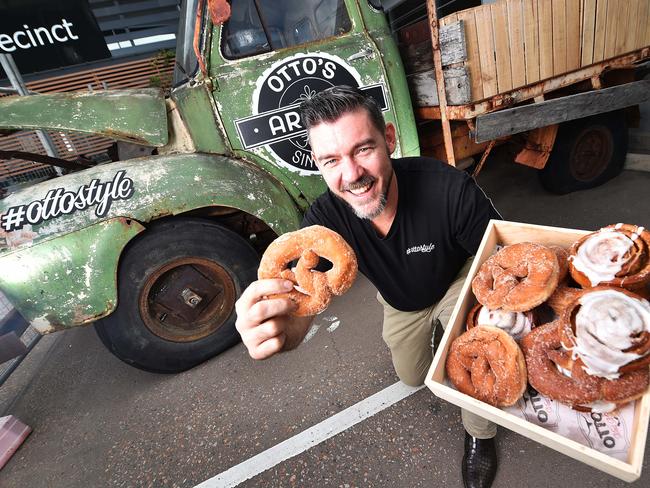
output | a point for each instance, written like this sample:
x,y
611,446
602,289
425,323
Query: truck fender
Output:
x,y
63,273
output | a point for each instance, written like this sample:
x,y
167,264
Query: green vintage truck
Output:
x,y
155,250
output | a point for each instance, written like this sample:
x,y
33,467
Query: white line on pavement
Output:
x,y
313,436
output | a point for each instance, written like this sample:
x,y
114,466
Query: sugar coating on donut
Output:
x,y
487,364
314,289
517,278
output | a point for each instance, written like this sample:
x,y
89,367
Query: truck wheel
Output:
x,y
587,153
177,286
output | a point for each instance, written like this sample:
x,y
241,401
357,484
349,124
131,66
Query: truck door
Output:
x,y
272,54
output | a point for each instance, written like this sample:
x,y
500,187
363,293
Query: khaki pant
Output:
x,y
409,336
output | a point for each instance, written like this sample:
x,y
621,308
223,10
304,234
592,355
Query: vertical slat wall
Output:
x,y
513,43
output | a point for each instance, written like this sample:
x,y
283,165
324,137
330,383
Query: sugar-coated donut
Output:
x,y
487,364
314,289
562,256
517,278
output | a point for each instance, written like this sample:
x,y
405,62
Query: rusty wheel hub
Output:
x,y
591,153
187,299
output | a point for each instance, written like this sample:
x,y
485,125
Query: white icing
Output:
x,y
600,407
602,255
517,324
565,372
604,327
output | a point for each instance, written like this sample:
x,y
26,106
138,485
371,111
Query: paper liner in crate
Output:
x,y
608,433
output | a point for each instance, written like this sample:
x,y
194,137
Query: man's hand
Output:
x,y
265,324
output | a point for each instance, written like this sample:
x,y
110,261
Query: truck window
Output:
x,y
259,26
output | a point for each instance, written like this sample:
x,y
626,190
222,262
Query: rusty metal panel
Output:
x,y
137,116
70,280
60,270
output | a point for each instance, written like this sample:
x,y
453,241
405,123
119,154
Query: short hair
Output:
x,y
331,103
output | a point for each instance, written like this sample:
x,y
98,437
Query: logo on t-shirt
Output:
x,y
421,248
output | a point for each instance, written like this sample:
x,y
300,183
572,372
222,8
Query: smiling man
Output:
x,y
413,223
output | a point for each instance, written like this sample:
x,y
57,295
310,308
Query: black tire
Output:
x,y
177,286
587,153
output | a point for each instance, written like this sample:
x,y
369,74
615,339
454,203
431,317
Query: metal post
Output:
x,y
17,82
440,81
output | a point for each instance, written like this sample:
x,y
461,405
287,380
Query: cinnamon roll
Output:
x,y
616,255
557,373
516,324
608,329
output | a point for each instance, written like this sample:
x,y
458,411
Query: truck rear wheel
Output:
x,y
587,153
177,287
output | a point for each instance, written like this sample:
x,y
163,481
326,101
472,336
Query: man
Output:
x,y
413,223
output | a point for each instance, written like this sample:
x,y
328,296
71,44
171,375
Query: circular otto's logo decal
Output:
x,y
275,123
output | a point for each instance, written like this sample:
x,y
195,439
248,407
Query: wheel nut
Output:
x,y
190,298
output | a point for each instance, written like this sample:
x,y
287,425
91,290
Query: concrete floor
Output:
x,y
98,422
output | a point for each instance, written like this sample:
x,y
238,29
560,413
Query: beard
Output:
x,y
371,209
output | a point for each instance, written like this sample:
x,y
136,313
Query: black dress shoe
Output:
x,y
479,462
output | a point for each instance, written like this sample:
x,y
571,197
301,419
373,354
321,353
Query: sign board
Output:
x,y
275,122
42,35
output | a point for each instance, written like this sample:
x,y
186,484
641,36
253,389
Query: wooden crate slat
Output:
x,y
516,36
630,29
473,62
588,32
642,24
486,50
559,37
531,40
573,34
647,32
600,31
501,46
448,19
545,17
622,26
613,6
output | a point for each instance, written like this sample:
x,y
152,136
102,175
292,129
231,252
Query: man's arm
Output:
x,y
265,324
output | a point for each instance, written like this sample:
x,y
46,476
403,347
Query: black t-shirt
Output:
x,y
441,217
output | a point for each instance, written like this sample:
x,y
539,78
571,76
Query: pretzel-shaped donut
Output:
x,y
517,278
486,363
616,255
314,289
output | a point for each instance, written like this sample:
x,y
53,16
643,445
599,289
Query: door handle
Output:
x,y
366,53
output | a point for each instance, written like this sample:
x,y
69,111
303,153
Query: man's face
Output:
x,y
354,159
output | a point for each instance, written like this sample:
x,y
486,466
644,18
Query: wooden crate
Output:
x,y
515,43
505,233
